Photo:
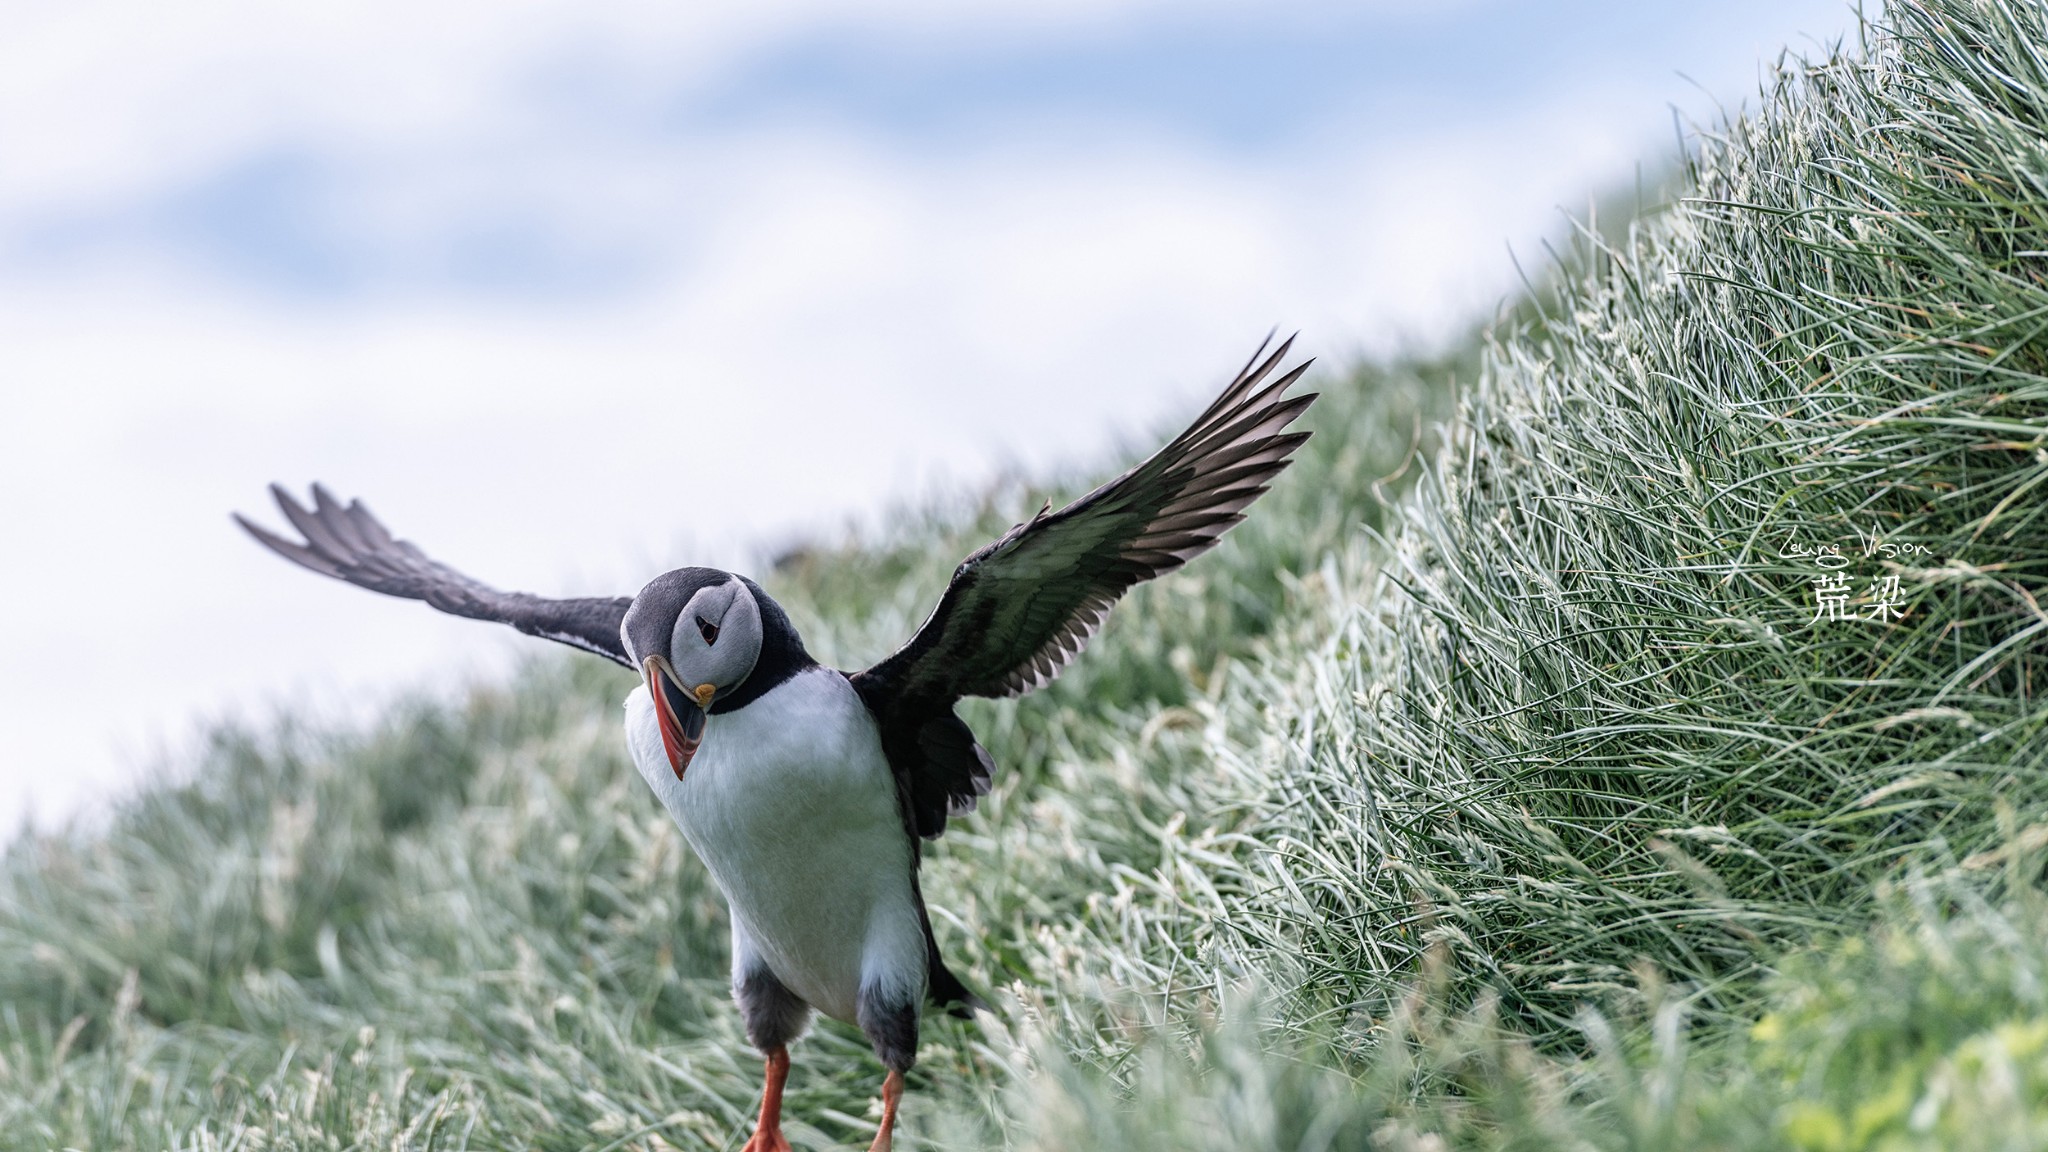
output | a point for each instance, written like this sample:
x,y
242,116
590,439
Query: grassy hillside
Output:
x,y
1494,787
1580,712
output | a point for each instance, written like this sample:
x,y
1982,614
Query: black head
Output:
x,y
707,641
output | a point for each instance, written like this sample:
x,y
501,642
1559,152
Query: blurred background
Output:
x,y
574,293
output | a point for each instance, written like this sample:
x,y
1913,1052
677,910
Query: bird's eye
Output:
x,y
707,630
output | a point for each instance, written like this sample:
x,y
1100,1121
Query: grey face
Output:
x,y
695,634
717,637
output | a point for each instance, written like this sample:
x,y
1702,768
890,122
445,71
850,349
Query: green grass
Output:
x,y
1927,1030
1491,787
1579,712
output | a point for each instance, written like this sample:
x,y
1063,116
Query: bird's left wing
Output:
x,y
1019,610
348,543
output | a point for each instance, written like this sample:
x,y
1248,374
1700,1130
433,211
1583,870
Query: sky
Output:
x,y
571,294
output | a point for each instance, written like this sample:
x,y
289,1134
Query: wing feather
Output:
x,y
1019,610
346,542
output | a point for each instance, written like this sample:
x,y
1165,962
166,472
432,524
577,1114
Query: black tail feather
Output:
x,y
946,989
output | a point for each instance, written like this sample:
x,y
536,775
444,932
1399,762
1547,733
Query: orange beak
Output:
x,y
678,714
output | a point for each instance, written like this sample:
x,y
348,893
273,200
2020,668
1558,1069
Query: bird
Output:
x,y
808,792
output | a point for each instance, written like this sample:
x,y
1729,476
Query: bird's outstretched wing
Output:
x,y
1019,610
348,543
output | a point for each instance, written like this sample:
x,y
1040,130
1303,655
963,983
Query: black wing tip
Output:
x,y
308,520
304,555
1274,396
322,497
1259,352
1280,354
257,531
1267,342
284,497
1248,392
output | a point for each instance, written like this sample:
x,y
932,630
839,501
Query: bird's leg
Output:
x,y
768,1133
892,1093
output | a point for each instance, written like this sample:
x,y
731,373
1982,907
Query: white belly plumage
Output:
x,y
791,806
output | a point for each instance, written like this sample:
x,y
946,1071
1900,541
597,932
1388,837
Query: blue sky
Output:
x,y
283,211
1233,81
805,258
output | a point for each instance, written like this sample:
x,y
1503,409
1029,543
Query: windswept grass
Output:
x,y
1588,709
1926,1030
1529,808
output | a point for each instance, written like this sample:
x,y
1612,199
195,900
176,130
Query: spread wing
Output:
x,y
1019,610
348,543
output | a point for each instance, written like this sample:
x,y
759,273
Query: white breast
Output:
x,y
791,806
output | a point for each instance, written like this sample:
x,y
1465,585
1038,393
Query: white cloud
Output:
x,y
102,98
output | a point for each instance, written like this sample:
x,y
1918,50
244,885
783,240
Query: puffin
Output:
x,y
808,792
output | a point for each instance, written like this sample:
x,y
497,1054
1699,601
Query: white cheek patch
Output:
x,y
741,635
727,659
709,604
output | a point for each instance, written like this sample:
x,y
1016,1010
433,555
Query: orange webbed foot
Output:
x,y
768,1135
892,1094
